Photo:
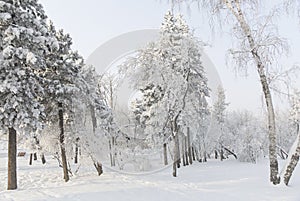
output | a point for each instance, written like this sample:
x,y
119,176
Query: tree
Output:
x,y
63,81
93,117
245,134
169,74
218,120
257,45
25,41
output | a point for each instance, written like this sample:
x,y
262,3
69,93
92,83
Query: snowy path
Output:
x,y
212,181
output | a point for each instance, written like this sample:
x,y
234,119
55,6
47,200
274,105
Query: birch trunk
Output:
x,y
234,7
292,159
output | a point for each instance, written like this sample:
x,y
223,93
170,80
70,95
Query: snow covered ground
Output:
x,y
213,181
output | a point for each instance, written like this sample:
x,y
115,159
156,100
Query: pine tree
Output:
x,y
24,42
63,81
218,120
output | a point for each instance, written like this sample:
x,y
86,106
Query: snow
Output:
x,y
229,180
30,58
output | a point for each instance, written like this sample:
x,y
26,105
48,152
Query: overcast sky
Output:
x,y
93,22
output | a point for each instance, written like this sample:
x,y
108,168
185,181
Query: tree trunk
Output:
x,y
216,154
222,154
99,168
30,159
193,153
174,169
186,151
189,146
35,156
43,158
62,142
112,153
93,116
177,147
176,163
205,157
198,155
12,159
165,154
234,7
76,151
184,163
294,158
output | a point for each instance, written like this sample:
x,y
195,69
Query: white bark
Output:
x,y
292,160
234,7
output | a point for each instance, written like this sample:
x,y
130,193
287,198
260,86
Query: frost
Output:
x,y
5,17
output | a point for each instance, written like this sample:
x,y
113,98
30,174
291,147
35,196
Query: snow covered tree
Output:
x,y
24,42
218,120
170,74
92,121
63,81
245,134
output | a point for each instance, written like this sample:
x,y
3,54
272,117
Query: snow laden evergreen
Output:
x,y
24,42
170,76
63,78
217,136
74,106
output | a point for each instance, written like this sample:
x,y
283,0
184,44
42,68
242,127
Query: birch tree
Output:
x,y
257,45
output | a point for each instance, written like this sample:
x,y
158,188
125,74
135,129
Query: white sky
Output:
x,y
93,22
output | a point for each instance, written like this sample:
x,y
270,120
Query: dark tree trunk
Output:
x,y
12,159
165,154
222,154
193,153
99,168
76,151
35,156
216,154
30,159
62,142
205,157
43,158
